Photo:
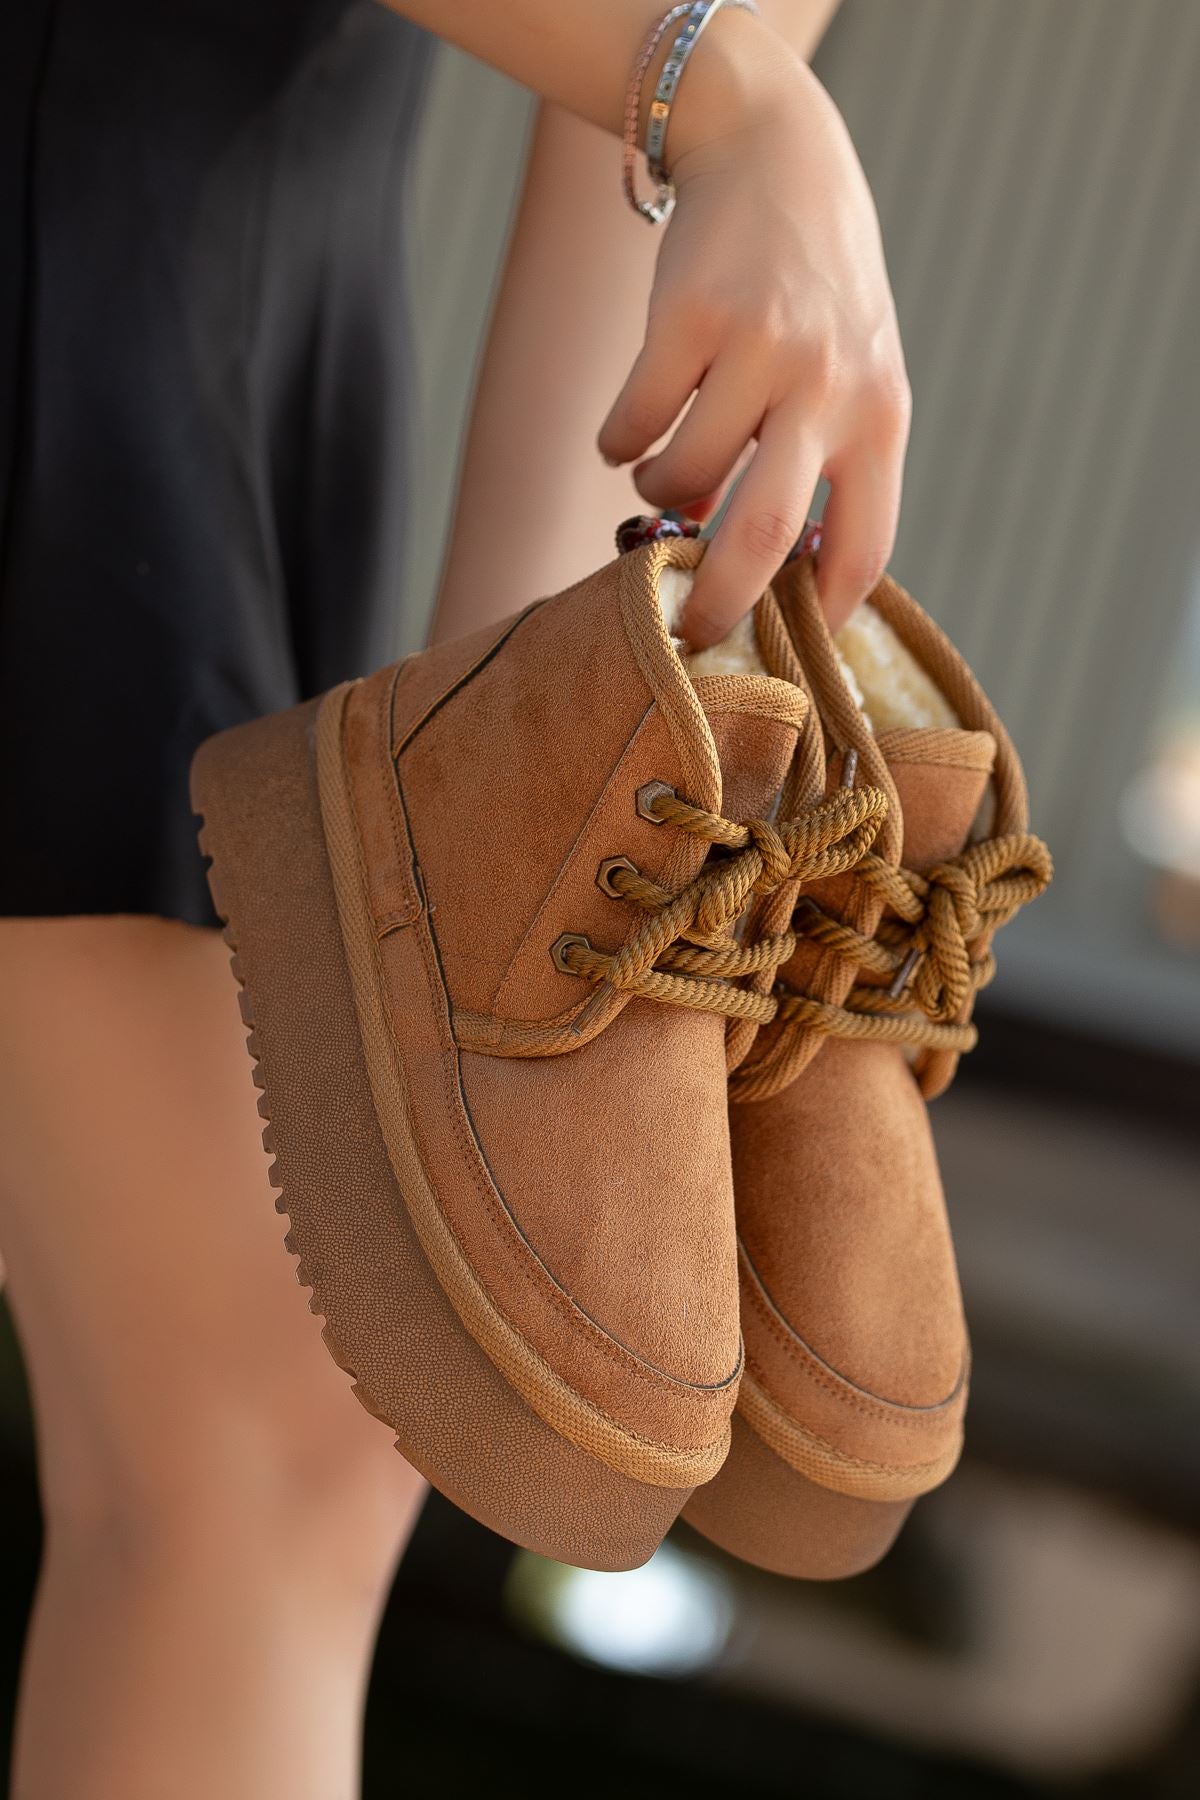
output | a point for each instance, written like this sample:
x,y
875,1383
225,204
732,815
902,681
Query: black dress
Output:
x,y
204,400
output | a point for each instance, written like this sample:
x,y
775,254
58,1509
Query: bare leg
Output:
x,y
537,506
222,1517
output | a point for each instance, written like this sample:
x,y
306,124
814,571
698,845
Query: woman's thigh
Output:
x,y
166,1336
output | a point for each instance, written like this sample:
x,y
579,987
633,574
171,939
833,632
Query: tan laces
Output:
x,y
925,947
936,951
685,952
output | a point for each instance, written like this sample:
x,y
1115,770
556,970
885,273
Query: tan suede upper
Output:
x,y
850,1303
856,1350
575,1140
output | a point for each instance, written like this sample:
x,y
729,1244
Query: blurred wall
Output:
x,y
1034,162
1035,167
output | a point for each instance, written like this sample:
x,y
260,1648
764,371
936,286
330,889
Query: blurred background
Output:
x,y
1037,1629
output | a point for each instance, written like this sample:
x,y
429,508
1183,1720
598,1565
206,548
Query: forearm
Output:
x,y
536,505
578,53
574,52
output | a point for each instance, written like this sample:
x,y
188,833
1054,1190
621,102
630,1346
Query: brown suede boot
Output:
x,y
852,1399
486,946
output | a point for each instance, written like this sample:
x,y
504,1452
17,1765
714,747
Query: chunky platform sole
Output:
x,y
387,1321
762,1510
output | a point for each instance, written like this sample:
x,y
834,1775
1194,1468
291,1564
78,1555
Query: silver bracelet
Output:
x,y
668,80
659,209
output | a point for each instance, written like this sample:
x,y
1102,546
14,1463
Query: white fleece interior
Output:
x,y
885,678
736,654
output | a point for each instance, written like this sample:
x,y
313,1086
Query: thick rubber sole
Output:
x,y
762,1510
387,1322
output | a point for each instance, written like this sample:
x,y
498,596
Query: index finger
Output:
x,y
765,517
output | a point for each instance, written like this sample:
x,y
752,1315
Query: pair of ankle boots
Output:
x,y
595,994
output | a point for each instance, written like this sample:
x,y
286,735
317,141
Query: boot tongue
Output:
x,y
942,777
754,714
755,751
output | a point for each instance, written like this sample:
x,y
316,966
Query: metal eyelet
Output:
x,y
564,943
604,875
905,973
647,794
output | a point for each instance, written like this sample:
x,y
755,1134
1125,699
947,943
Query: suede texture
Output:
x,y
530,985
940,800
755,753
851,1310
588,1189
840,1212
620,1150
505,772
614,1166
425,681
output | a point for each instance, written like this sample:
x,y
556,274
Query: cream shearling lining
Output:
x,y
887,682
891,687
736,654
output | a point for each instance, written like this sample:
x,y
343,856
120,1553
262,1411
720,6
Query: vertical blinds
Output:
x,y
1035,164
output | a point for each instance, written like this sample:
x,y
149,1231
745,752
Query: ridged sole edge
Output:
x,y
385,1320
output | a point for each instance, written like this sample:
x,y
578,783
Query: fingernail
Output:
x,y
613,462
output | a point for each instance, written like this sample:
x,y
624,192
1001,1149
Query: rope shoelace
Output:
x,y
684,953
933,952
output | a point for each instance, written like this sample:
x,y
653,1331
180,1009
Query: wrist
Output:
x,y
737,71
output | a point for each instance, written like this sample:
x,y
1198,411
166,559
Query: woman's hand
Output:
x,y
770,302
771,305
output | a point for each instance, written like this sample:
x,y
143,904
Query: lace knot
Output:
x,y
776,858
931,954
685,952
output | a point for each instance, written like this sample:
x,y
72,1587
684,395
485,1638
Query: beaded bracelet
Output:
x,y
699,12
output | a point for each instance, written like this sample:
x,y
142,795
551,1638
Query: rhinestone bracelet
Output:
x,y
669,78
698,12
659,208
